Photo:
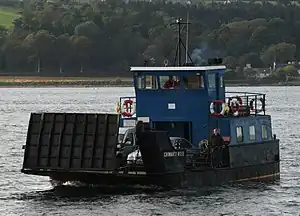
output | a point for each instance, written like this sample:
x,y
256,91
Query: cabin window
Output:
x,y
129,138
147,82
221,81
169,82
211,80
264,132
193,82
252,135
239,134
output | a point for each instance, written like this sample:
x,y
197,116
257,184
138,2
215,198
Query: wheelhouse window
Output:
x,y
252,135
221,81
264,132
239,134
147,82
169,82
193,81
211,80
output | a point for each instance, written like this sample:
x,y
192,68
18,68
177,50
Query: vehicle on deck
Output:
x,y
178,143
126,142
162,136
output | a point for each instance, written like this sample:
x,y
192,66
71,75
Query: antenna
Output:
x,y
180,43
187,38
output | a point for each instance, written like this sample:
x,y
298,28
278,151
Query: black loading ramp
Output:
x,y
70,142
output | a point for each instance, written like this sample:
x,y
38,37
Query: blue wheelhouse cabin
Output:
x,y
194,104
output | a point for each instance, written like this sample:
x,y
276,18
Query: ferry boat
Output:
x,y
177,107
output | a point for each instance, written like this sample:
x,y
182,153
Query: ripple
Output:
x,y
32,195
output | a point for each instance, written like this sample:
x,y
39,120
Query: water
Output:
x,y
22,194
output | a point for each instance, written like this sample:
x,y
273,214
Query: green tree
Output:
x,y
286,73
230,74
88,29
251,58
63,50
40,45
113,35
282,52
82,46
291,71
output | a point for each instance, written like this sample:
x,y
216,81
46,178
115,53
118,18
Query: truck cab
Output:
x,y
126,135
126,141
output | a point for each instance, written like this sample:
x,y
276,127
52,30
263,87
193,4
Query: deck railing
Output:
x,y
243,103
248,102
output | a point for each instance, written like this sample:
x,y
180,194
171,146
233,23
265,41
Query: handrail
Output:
x,y
250,100
251,103
246,93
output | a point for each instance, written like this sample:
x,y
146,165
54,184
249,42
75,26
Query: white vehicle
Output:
x,y
135,157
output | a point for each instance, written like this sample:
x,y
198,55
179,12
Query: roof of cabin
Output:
x,y
178,68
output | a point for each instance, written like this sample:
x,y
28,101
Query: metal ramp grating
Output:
x,y
71,141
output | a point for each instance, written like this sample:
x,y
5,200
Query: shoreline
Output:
x,y
17,85
96,82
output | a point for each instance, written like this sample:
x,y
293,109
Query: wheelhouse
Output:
x,y
189,102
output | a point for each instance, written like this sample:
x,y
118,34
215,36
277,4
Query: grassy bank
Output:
x,y
7,15
34,81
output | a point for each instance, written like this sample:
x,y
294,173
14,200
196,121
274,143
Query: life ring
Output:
x,y
212,108
252,108
235,103
128,108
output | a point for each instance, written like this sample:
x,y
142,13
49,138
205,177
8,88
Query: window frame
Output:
x,y
263,126
161,83
242,134
209,80
200,81
141,82
221,80
128,135
251,135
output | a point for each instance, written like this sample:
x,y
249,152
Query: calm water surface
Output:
x,y
32,195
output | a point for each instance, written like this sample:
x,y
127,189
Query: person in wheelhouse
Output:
x,y
171,83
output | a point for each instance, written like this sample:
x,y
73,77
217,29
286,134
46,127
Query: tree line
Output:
x,y
107,37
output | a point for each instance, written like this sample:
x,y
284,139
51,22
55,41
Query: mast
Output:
x,y
180,43
187,38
